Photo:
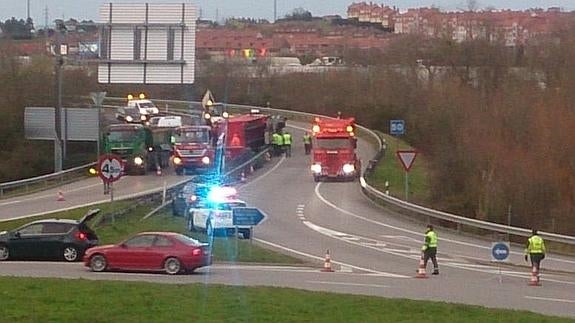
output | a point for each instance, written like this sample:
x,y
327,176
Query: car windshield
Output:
x,y
200,136
122,135
333,143
187,240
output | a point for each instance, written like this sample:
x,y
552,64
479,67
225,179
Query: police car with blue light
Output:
x,y
214,214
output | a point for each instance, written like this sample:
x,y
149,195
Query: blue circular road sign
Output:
x,y
500,251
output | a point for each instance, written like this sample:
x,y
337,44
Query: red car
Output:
x,y
170,252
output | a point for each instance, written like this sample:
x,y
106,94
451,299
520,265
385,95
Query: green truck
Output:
x,y
142,148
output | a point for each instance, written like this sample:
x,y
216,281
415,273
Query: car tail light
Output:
x,y
197,252
81,235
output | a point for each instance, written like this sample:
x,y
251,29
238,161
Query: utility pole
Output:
x,y
46,20
275,10
28,9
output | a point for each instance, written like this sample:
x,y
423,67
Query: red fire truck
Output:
x,y
333,149
195,146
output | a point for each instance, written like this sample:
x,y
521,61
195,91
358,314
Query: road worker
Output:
x,y
287,143
307,143
535,249
429,248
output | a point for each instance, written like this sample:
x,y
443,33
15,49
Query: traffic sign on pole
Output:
x,y
407,157
247,216
499,251
396,127
110,168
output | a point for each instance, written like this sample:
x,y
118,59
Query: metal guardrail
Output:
x,y
29,185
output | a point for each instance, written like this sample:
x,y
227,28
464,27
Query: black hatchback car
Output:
x,y
51,239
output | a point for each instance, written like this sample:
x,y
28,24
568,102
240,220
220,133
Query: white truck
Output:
x,y
140,110
216,217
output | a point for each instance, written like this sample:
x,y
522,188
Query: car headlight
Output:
x,y
177,160
206,160
143,117
138,161
316,168
129,119
348,168
155,110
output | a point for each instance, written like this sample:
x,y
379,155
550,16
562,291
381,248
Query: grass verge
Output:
x,y
60,300
391,170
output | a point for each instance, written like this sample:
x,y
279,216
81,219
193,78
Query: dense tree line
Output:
x,y
27,84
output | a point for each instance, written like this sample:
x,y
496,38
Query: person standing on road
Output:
x,y
287,143
307,143
535,250
280,142
429,248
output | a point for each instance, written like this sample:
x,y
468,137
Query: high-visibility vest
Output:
x,y
536,245
280,139
275,139
287,138
430,240
306,139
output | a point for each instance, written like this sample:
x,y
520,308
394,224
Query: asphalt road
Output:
x,y
373,250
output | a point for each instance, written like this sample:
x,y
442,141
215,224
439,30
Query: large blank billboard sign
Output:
x,y
150,43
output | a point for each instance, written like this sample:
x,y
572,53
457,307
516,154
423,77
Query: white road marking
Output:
x,y
406,254
550,299
323,199
346,284
376,272
255,180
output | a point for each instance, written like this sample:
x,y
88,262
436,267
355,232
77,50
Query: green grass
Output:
x,y
60,300
390,169
113,230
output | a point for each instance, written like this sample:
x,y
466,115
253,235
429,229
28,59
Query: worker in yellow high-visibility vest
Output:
x,y
429,248
535,249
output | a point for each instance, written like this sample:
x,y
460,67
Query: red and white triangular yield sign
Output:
x,y
407,157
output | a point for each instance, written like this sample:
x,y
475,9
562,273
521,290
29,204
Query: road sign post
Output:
x,y
110,169
500,252
406,157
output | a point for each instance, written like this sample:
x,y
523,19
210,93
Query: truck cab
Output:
x,y
193,148
334,149
137,110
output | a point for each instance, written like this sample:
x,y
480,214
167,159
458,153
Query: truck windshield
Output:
x,y
200,137
146,105
125,135
333,143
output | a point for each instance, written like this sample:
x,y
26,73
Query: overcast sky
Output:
x,y
87,9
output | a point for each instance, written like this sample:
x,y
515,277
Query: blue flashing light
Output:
x,y
221,194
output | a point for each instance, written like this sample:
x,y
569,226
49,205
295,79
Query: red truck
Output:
x,y
194,147
334,149
246,132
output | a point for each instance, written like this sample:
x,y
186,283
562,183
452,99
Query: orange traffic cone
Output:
x,y
327,263
243,177
252,169
534,280
158,171
421,270
60,197
268,156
